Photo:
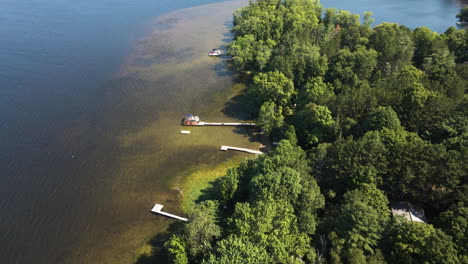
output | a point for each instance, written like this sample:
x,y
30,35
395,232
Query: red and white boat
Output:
x,y
191,120
214,53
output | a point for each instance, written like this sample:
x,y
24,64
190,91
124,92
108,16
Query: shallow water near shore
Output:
x,y
167,76
85,194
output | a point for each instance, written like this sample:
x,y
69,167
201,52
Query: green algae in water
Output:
x,y
145,103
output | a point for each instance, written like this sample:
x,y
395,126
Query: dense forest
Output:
x,y
463,15
364,116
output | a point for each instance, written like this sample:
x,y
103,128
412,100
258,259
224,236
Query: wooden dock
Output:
x,y
225,148
224,124
157,209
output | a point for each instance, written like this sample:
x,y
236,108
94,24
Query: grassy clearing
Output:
x,y
202,178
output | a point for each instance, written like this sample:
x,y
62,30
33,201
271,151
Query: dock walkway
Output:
x,y
224,124
157,209
224,148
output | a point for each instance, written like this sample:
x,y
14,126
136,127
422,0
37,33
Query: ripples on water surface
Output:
x,y
85,152
437,15
89,134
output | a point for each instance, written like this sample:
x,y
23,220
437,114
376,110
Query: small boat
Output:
x,y
185,132
462,23
214,53
191,120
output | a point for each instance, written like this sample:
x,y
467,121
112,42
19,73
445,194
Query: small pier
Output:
x,y
225,124
191,120
225,148
157,209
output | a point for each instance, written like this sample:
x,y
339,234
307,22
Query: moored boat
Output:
x,y
214,53
191,120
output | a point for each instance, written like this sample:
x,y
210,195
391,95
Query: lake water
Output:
x,y
91,96
437,15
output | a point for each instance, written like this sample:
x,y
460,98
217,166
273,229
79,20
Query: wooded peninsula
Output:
x,y
366,118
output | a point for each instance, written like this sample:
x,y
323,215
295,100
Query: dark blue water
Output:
x,y
63,111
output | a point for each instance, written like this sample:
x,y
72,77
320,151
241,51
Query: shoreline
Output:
x,y
191,188
156,58
186,185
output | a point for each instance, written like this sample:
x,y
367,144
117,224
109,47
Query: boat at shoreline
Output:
x,y
191,120
462,23
214,53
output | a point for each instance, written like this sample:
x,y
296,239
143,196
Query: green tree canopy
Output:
x,y
237,250
415,242
176,250
270,224
382,117
274,87
455,223
393,44
283,183
315,124
361,221
202,229
270,117
351,163
463,15
315,91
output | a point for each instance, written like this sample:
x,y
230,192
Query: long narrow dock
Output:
x,y
224,148
224,124
157,209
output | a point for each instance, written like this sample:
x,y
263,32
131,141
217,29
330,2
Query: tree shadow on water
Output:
x,y
158,254
221,69
240,107
253,134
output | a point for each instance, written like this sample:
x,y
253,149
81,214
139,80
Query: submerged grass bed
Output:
x,y
202,178
192,186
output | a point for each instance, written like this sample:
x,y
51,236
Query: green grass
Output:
x,y
201,178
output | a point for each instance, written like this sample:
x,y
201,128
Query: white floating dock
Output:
x,y
157,209
185,132
224,148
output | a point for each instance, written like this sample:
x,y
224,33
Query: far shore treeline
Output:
x,y
364,116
